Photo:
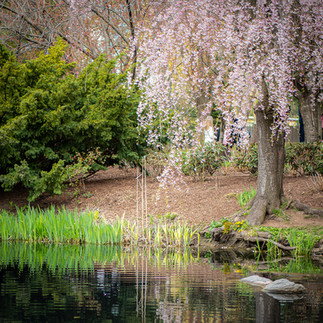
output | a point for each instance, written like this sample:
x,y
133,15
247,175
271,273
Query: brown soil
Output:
x,y
114,194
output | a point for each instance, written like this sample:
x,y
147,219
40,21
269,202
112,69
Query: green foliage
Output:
x,y
302,265
303,239
63,226
59,226
303,242
228,226
56,125
246,196
280,213
162,231
203,160
218,224
305,158
246,159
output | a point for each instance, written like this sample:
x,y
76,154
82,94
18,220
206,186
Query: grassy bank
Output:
x,y
64,226
276,242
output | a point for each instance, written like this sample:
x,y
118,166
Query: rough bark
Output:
x,y
311,116
307,209
271,156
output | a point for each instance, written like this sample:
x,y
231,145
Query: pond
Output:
x,y
59,283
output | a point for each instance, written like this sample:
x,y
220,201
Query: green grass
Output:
x,y
58,226
161,234
246,196
63,226
302,238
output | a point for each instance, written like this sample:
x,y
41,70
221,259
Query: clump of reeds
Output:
x,y
161,234
302,239
64,226
59,226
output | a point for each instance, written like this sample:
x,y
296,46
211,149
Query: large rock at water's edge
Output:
x,y
284,286
256,280
286,297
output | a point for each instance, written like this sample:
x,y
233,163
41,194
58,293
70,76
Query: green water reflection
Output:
x,y
59,283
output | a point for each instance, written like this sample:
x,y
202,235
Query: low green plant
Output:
x,y
203,160
281,214
246,196
63,226
229,226
171,234
303,242
227,167
302,239
218,224
246,159
305,158
58,226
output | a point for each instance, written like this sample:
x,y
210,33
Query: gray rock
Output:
x,y
286,297
256,280
284,286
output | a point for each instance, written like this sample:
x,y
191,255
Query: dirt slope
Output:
x,y
115,193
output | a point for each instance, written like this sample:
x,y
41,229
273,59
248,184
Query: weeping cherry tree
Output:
x,y
240,55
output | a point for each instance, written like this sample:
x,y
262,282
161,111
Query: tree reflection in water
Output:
x,y
99,283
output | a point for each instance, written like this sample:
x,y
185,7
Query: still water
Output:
x,y
57,283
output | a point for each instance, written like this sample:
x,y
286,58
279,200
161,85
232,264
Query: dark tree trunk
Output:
x,y
271,156
267,308
311,116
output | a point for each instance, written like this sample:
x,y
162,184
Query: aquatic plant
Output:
x,y
161,234
64,226
302,239
59,226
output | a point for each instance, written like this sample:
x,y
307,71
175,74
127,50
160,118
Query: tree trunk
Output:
x,y
271,156
311,117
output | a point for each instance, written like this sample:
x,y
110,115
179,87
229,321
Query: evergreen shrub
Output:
x,y
57,125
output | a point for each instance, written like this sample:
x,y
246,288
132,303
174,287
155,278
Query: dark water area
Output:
x,y
57,283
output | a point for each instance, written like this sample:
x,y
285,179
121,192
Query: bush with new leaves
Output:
x,y
246,159
49,115
203,160
305,158
302,158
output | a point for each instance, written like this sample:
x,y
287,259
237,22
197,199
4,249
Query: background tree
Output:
x,y
240,54
89,27
306,61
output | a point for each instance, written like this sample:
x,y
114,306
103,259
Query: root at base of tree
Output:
x,y
234,238
306,209
258,211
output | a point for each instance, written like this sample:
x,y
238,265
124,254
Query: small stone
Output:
x,y
256,280
284,286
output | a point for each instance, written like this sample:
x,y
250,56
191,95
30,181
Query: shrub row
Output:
x,y
301,158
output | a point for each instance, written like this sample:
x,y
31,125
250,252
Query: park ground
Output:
x,y
117,193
